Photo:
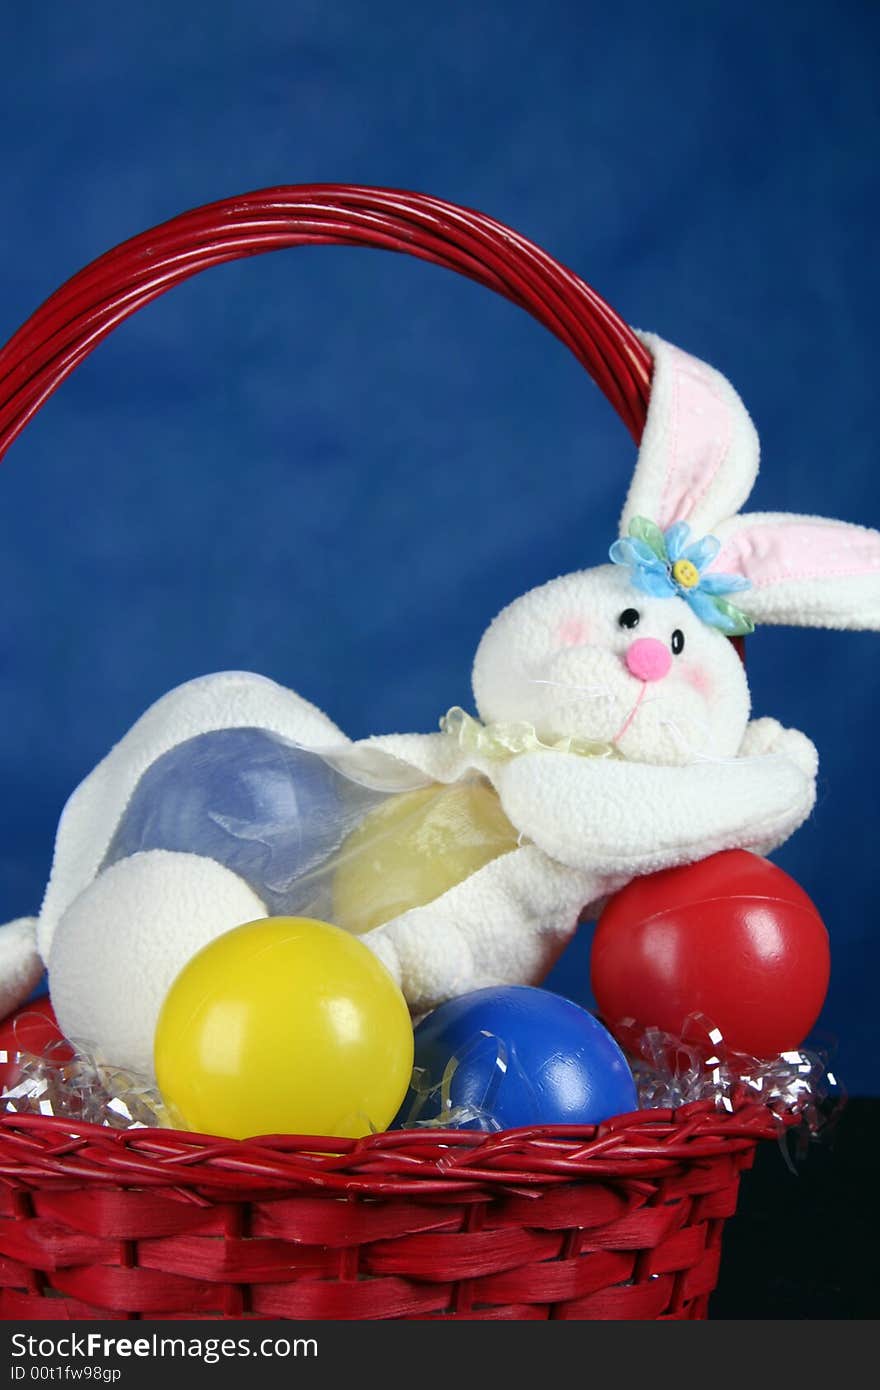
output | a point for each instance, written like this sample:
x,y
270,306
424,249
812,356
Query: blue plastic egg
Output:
x,y
509,1056
258,804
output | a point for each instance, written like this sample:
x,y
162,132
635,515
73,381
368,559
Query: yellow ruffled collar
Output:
x,y
505,739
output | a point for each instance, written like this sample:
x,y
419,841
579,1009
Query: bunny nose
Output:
x,y
648,660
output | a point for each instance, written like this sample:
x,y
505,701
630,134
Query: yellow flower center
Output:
x,y
686,574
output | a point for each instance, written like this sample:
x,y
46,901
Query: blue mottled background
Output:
x,y
334,467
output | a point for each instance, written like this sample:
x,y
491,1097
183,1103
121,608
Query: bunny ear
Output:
x,y
699,453
804,570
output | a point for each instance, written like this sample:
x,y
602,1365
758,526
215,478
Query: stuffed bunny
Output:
x,y
613,726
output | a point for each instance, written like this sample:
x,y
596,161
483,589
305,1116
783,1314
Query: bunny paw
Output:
x,y
769,736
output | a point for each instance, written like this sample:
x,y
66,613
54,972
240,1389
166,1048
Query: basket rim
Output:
x,y
43,1151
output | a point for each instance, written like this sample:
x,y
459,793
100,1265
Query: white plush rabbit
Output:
x,y
613,725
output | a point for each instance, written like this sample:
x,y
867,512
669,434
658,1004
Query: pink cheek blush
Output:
x,y
697,677
573,632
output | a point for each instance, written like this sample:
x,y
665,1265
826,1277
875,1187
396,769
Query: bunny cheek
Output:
x,y
697,677
573,632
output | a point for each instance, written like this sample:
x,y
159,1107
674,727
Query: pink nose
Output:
x,y
648,659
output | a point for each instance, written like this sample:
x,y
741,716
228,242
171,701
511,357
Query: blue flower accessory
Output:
x,y
666,564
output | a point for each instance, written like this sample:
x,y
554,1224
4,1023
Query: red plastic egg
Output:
x,y
732,938
32,1029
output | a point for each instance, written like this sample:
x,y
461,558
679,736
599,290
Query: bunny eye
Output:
x,y
629,618
677,642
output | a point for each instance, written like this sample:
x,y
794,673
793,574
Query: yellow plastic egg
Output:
x,y
413,848
284,1026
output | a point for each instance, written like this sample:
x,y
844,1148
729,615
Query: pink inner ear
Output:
x,y
699,434
770,554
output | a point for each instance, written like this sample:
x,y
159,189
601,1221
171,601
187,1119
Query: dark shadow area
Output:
x,y
805,1246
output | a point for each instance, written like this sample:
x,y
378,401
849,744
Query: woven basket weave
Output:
x,y
619,1221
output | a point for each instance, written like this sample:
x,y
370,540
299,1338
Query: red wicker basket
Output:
x,y
619,1221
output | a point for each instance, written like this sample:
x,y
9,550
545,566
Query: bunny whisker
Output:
x,y
695,753
595,692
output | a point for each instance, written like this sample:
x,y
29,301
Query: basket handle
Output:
x,y
78,316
